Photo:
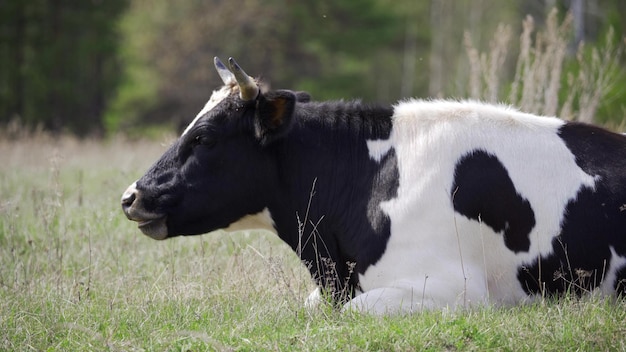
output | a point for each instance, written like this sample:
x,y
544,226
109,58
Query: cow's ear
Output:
x,y
274,112
303,97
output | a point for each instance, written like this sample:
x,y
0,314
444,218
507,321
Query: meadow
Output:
x,y
75,275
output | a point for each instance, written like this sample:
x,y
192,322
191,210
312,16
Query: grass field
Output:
x,y
75,275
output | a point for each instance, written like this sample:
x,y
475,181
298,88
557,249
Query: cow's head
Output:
x,y
221,168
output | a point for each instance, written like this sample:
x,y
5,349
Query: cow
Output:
x,y
425,204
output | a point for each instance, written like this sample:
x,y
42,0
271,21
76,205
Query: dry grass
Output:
x,y
73,269
76,275
537,86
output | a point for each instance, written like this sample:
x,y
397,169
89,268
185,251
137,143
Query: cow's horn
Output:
x,y
226,76
248,90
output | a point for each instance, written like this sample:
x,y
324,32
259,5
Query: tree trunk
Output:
x,y
410,57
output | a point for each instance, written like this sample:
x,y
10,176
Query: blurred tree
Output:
x,y
347,45
169,49
449,19
324,47
63,65
57,62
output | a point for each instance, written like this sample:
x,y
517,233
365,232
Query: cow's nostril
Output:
x,y
129,196
128,199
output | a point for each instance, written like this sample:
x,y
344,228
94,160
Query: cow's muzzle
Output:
x,y
152,225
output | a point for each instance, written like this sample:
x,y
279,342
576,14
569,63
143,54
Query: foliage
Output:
x,y
377,50
300,45
121,65
58,62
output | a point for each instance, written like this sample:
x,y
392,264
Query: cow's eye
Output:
x,y
204,140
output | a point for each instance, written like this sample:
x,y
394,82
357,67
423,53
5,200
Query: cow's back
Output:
x,y
483,198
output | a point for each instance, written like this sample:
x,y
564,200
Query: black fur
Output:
x,y
307,162
592,223
482,190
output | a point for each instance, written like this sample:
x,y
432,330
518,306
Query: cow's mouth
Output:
x,y
154,228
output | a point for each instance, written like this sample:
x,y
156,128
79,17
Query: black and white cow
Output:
x,y
423,204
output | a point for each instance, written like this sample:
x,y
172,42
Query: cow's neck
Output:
x,y
327,209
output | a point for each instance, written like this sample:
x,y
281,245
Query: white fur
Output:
x,y
617,263
260,221
379,148
216,98
438,258
314,300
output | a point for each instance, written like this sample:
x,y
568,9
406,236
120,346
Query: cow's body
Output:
x,y
423,204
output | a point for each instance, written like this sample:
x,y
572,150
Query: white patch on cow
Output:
x,y
132,189
436,257
378,148
616,264
313,300
216,98
260,221
405,296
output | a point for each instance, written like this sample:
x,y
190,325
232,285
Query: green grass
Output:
x,y
75,275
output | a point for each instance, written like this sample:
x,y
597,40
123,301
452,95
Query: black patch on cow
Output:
x,y
580,256
315,176
384,187
482,190
593,221
334,220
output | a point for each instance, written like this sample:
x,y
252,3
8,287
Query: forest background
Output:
x,y
98,68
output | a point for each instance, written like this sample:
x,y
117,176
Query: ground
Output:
x,y
76,275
